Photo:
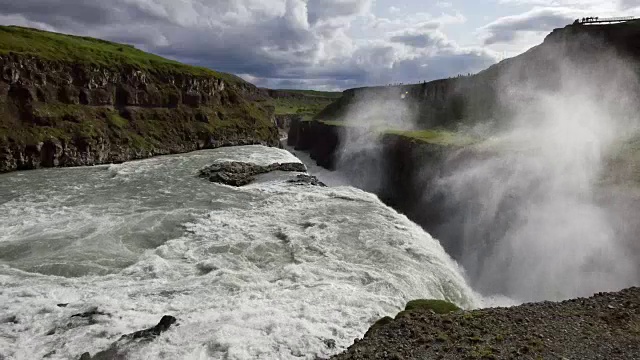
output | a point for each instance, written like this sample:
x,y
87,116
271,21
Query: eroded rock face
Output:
x,y
55,113
236,173
31,78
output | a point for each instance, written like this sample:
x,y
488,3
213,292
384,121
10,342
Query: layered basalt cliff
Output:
x,y
400,170
70,111
484,97
284,121
435,103
289,105
406,168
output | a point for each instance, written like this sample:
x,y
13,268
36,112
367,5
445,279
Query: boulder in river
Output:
x,y
237,173
118,350
304,179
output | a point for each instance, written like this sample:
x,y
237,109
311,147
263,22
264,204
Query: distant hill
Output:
x,y
314,93
304,104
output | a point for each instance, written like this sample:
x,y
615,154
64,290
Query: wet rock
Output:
x,y
236,173
50,153
120,348
150,333
89,314
330,343
304,179
87,318
11,319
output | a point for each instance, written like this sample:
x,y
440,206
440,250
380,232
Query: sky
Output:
x,y
319,44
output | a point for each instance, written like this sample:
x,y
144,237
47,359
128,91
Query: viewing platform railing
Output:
x,y
611,20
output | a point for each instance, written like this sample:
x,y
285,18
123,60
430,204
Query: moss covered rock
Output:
x,y
437,306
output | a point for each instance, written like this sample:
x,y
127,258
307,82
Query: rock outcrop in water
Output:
x,y
605,326
118,350
89,101
236,173
304,179
86,318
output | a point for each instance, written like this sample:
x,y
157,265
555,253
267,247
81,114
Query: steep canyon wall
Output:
x,y
487,97
70,113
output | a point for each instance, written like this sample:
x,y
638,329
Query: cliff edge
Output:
x,y
604,326
69,101
480,98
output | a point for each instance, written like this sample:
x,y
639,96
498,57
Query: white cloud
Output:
x,y
506,29
516,33
290,43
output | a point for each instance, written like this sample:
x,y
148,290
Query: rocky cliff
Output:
x,y
289,105
604,326
481,97
407,174
406,168
400,170
69,101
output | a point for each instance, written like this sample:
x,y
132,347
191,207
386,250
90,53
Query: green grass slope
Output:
x,y
305,103
69,100
306,107
314,93
89,51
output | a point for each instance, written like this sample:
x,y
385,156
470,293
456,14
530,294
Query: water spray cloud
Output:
x,y
527,215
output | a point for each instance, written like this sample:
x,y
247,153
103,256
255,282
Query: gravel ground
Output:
x,y
605,326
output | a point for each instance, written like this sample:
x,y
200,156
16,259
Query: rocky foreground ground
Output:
x,y
605,326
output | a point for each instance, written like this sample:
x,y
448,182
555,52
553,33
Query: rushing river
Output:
x,y
270,270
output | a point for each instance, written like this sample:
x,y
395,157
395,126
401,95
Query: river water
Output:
x,y
270,270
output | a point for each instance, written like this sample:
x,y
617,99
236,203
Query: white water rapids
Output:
x,y
268,271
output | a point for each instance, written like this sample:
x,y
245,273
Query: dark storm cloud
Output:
x,y
70,13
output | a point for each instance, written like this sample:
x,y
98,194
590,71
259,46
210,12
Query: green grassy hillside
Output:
x,y
315,93
90,51
71,100
305,106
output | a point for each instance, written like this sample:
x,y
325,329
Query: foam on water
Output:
x,y
270,270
